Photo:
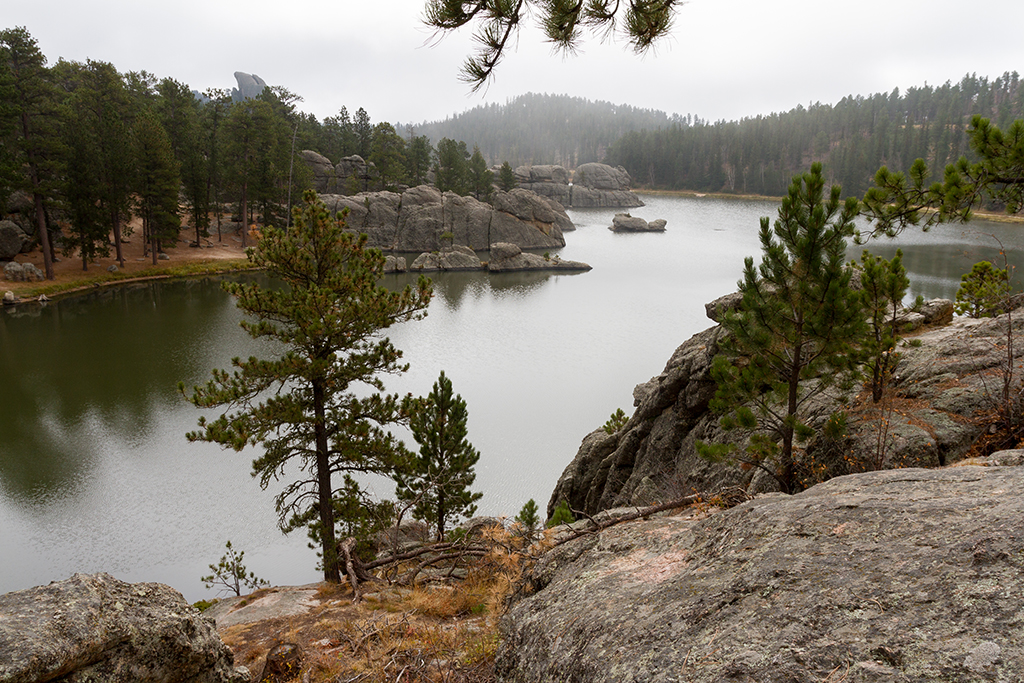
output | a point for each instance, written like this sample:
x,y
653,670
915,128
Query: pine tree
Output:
x,y
481,178
642,21
33,109
451,171
528,520
158,184
983,291
387,152
318,406
793,336
897,200
884,284
507,177
418,156
439,477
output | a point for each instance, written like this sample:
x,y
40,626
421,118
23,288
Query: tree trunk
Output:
x,y
115,219
245,213
328,545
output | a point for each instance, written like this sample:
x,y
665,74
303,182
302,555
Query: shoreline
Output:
x,y
691,194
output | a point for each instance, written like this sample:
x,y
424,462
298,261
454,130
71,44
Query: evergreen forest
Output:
x,y
852,139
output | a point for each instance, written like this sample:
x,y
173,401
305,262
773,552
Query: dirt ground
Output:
x,y
68,269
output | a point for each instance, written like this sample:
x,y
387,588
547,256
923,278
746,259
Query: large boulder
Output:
x,y
600,185
354,173
455,258
23,272
546,180
623,222
507,258
894,576
946,380
93,627
420,219
592,185
325,178
12,239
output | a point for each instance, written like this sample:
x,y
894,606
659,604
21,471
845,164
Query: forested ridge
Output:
x,y
543,129
852,139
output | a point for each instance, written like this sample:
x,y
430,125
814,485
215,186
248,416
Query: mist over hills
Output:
x,y
756,155
543,129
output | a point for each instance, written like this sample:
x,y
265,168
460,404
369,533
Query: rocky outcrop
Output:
x,y
354,174
455,258
325,179
509,257
623,222
421,220
546,180
947,378
600,186
93,627
591,185
893,576
250,86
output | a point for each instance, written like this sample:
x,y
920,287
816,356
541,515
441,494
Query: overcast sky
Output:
x,y
725,59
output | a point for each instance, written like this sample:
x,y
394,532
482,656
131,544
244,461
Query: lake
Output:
x,y
96,474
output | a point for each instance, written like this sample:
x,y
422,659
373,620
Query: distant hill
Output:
x,y
543,129
852,138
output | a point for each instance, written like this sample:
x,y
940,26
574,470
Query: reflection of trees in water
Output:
x,y
936,260
98,367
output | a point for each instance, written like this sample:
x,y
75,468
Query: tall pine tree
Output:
x,y
795,332
318,406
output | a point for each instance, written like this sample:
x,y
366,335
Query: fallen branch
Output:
x,y
641,513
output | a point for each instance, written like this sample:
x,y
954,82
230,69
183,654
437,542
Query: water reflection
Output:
x,y
112,359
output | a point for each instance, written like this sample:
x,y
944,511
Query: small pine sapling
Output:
x,y
528,520
983,291
884,283
616,422
561,515
231,574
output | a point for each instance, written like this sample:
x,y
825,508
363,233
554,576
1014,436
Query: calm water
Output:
x,y
96,475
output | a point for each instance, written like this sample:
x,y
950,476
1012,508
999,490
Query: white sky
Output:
x,y
725,59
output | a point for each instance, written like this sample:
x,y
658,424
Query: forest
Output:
x,y
852,139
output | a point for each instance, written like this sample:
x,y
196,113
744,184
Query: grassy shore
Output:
x,y
92,280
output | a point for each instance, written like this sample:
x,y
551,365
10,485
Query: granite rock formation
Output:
x,y
93,627
600,185
895,576
623,222
421,220
946,382
509,257
591,185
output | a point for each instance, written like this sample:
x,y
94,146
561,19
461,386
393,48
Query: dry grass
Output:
x,y
434,632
